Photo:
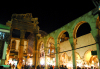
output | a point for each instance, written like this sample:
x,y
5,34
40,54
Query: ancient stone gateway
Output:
x,y
24,23
65,46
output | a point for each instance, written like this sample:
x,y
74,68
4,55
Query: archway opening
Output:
x,y
64,59
51,58
64,45
41,53
83,29
90,60
64,37
83,37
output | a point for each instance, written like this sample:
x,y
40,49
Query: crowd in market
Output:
x,y
43,67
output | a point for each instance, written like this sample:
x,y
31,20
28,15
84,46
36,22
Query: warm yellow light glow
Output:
x,y
29,61
69,64
88,56
48,60
42,61
79,63
12,62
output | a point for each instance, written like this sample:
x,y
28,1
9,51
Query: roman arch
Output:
x,y
74,46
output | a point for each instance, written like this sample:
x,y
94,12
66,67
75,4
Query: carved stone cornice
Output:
x,y
26,23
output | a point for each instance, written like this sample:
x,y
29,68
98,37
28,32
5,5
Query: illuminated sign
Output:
x,y
94,52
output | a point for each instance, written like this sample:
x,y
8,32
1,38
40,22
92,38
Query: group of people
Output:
x,y
63,67
32,67
86,67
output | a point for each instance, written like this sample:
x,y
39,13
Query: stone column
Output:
x,y
58,48
33,58
20,53
98,46
96,36
37,53
46,53
73,52
74,59
57,57
38,57
35,50
98,53
46,60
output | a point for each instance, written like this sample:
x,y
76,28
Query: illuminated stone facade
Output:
x,y
63,46
74,50
14,49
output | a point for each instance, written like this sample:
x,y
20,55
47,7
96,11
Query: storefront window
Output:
x,y
42,54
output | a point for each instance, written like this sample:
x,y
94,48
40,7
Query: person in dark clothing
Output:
x,y
38,67
33,66
51,67
65,67
62,67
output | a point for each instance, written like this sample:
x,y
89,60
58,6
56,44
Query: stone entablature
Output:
x,y
22,17
25,21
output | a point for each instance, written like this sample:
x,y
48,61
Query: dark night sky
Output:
x,y
51,15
